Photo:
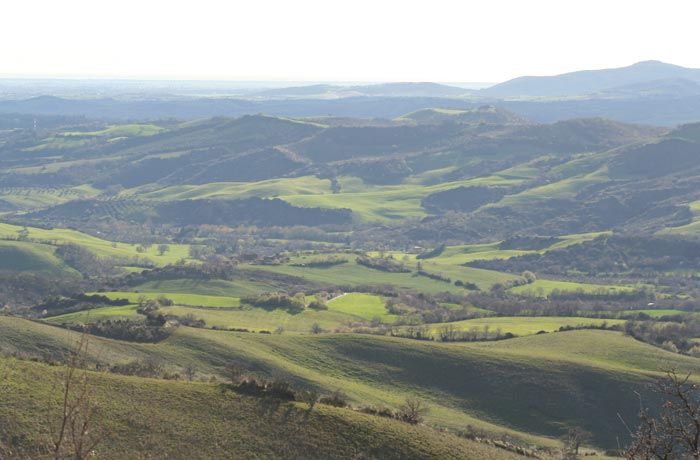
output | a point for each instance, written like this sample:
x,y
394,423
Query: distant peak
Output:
x,y
652,63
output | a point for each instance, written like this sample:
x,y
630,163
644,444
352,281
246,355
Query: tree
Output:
x,y
316,328
412,411
674,432
162,249
234,371
23,234
574,437
529,276
74,433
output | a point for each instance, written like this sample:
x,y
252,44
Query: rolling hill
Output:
x,y
580,378
179,420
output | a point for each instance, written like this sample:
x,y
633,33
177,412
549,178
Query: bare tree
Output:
x,y
573,439
74,433
674,432
190,372
412,411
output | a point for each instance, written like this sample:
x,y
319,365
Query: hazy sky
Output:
x,y
359,40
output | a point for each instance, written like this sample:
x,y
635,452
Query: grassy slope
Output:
x,y
178,298
102,248
177,420
352,274
307,185
542,288
219,313
522,326
573,378
37,258
366,306
692,228
32,197
387,203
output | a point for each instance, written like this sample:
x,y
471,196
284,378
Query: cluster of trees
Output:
x,y
125,329
385,264
60,305
23,289
423,308
450,333
412,411
432,253
278,300
322,262
85,261
573,304
672,336
435,276
467,285
634,256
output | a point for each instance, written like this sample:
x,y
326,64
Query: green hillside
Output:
x,y
178,420
580,378
18,256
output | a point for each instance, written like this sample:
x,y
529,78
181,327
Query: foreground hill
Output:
x,y
580,378
157,419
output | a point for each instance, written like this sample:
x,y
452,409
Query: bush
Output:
x,y
336,399
412,411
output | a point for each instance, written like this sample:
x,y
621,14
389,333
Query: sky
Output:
x,y
340,40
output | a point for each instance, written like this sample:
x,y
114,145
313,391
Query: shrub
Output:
x,y
412,411
335,399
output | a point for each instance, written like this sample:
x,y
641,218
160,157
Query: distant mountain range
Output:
x,y
587,82
648,92
408,89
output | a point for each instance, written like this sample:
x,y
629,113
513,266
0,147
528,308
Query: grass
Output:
x,y
522,326
566,188
365,306
258,319
100,247
579,377
351,274
386,203
98,314
307,185
19,256
119,131
36,197
178,298
692,228
219,312
215,288
179,420
543,288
